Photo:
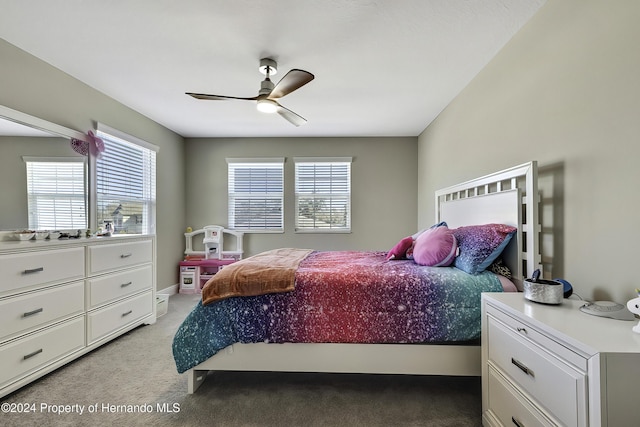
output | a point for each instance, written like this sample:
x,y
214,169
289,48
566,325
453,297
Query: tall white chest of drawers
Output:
x,y
547,365
60,299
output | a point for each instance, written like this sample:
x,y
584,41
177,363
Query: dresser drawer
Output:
x,y
555,385
28,354
542,340
29,311
21,272
104,321
103,258
111,287
510,407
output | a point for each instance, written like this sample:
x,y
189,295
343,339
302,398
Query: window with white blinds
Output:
x,y
56,193
323,194
256,194
126,184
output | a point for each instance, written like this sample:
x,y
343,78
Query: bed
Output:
x,y
394,341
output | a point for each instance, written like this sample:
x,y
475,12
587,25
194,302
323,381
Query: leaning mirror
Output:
x,y
43,179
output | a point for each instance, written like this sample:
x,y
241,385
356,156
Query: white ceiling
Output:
x,y
382,67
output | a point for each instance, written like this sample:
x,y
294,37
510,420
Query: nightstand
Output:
x,y
547,365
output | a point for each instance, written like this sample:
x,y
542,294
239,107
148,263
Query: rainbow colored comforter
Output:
x,y
343,297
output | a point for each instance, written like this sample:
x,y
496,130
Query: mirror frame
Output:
x,y
64,132
37,123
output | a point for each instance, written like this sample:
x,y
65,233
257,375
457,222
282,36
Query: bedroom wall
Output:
x,y
34,87
384,187
565,92
14,214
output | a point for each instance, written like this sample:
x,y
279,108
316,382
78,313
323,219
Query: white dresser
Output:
x,y
547,365
60,299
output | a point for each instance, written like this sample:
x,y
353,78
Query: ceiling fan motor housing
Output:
x,y
266,87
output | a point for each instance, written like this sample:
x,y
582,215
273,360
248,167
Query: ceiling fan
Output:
x,y
267,99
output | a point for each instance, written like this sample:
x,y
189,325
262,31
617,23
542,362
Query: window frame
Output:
x,y
79,180
148,166
344,195
233,165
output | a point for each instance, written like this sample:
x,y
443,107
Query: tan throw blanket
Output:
x,y
268,272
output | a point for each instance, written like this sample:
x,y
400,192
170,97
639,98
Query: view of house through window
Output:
x,y
125,184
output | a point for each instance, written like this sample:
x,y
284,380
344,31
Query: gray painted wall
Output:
x,y
32,86
383,181
564,92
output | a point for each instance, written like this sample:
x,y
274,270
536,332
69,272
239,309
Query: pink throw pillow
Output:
x,y
436,247
399,251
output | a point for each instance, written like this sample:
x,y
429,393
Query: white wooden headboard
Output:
x,y
505,197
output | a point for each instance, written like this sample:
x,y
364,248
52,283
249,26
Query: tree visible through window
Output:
x,y
323,194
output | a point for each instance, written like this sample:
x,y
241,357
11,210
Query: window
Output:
x,y
126,183
256,194
56,193
323,194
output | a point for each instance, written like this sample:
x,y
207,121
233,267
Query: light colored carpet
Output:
x,y
135,373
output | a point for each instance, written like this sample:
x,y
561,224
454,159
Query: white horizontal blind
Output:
x,y
126,186
256,194
323,195
56,193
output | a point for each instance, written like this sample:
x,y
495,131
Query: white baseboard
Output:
x,y
171,290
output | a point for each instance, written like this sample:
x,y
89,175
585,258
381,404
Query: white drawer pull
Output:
x,y
32,312
127,313
522,367
516,422
124,285
30,355
125,255
521,330
33,270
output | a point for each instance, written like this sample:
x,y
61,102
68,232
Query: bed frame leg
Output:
x,y
195,380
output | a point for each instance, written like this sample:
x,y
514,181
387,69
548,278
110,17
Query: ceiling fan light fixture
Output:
x,y
267,106
270,93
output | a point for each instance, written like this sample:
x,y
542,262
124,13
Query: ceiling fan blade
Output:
x,y
293,80
218,97
290,116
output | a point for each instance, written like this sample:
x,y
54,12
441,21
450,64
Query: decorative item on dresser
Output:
x,y
62,298
548,365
